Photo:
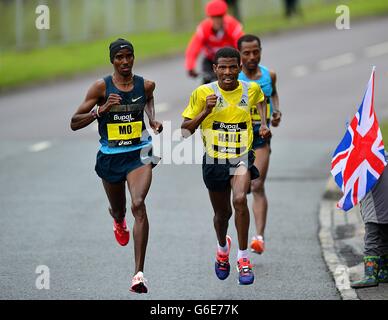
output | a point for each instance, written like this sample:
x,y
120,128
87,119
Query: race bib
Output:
x,y
229,139
125,125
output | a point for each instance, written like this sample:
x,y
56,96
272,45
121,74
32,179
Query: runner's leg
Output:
x,y
260,202
240,186
116,196
222,213
139,181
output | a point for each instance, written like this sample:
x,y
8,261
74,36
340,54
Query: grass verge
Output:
x,y
18,68
384,132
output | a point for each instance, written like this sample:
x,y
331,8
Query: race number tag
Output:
x,y
125,125
230,138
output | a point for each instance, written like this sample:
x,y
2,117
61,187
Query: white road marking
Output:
x,y
336,62
376,50
299,71
40,146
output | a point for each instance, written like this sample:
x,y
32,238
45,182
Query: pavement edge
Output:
x,y
337,269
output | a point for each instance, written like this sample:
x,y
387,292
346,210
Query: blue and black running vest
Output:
x,y
265,83
122,129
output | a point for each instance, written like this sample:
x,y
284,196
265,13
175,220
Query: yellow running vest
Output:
x,y
226,132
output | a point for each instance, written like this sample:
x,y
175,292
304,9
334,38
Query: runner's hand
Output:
x,y
211,102
276,118
192,73
265,132
113,99
156,126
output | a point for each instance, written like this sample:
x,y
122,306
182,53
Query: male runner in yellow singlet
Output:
x,y
222,109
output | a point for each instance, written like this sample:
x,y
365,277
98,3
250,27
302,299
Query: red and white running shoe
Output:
x,y
121,232
139,283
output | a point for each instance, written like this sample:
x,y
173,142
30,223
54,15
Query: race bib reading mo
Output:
x,y
124,128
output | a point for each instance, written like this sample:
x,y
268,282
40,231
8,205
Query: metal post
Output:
x,y
19,23
188,10
109,5
64,9
86,19
150,14
170,9
43,33
131,15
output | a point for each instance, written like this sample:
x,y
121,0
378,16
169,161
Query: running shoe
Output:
x,y
139,283
245,271
121,232
257,245
222,266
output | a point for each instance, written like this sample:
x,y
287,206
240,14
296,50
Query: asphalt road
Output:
x,y
54,211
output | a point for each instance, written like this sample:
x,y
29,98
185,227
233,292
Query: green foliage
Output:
x,y
384,132
63,60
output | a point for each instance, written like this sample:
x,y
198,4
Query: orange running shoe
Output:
x,y
139,283
121,232
257,245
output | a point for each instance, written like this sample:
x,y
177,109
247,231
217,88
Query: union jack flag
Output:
x,y
359,159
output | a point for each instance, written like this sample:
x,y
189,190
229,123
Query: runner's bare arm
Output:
x,y
264,130
83,117
277,115
95,95
189,126
149,87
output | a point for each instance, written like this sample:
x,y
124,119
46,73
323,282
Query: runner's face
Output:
x,y
227,71
123,62
250,55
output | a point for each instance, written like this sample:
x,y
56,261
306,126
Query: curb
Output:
x,y
339,271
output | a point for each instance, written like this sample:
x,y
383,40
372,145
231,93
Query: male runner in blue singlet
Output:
x,y
250,50
118,102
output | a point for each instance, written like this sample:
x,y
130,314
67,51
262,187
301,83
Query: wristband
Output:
x,y
94,114
98,115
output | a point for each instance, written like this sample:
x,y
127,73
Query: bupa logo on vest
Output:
x,y
126,117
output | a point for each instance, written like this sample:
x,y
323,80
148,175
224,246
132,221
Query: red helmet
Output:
x,y
216,8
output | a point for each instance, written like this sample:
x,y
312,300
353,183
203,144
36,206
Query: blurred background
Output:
x,y
156,27
85,20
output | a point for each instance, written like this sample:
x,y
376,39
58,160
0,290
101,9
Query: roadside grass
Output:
x,y
41,64
384,132
317,14
22,67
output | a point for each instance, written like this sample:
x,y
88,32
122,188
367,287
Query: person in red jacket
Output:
x,y
218,30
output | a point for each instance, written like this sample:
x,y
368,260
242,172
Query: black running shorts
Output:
x,y
114,168
217,174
